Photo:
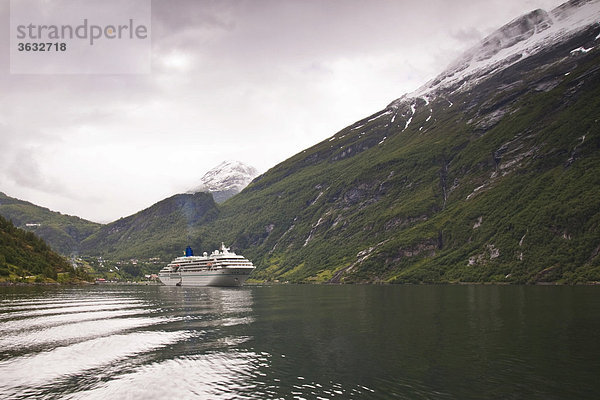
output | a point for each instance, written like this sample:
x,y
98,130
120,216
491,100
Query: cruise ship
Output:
x,y
221,268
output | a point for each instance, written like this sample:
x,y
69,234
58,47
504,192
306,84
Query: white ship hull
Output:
x,y
221,268
220,277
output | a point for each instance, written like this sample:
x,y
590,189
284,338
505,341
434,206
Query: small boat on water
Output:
x,y
221,268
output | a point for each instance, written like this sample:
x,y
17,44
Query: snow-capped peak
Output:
x,y
226,179
514,42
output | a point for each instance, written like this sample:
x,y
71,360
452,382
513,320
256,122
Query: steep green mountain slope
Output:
x,y
23,254
162,230
496,182
62,232
491,172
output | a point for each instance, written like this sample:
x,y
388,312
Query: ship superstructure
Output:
x,y
221,268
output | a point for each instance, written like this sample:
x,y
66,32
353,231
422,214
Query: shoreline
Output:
x,y
85,283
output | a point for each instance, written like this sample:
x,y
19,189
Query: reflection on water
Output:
x,y
130,342
294,342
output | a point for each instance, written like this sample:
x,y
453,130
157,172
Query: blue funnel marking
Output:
x,y
189,252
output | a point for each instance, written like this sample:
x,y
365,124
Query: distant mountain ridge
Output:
x,y
63,233
226,180
66,233
161,230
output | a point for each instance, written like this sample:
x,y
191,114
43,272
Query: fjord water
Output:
x,y
312,342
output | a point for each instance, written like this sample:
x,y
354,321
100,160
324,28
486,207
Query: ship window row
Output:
x,y
216,266
214,263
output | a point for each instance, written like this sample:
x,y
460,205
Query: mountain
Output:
x,y
488,173
23,254
162,230
491,172
62,232
226,180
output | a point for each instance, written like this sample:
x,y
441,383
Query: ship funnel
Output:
x,y
189,252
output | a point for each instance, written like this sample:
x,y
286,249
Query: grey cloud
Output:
x,y
467,35
182,14
25,171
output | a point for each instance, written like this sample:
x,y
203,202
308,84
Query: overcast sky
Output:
x,y
256,81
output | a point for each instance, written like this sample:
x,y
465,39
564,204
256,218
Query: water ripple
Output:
x,y
116,305
75,331
60,319
214,376
29,373
50,303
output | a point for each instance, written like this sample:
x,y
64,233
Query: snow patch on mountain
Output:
x,y
226,179
379,115
581,50
412,110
